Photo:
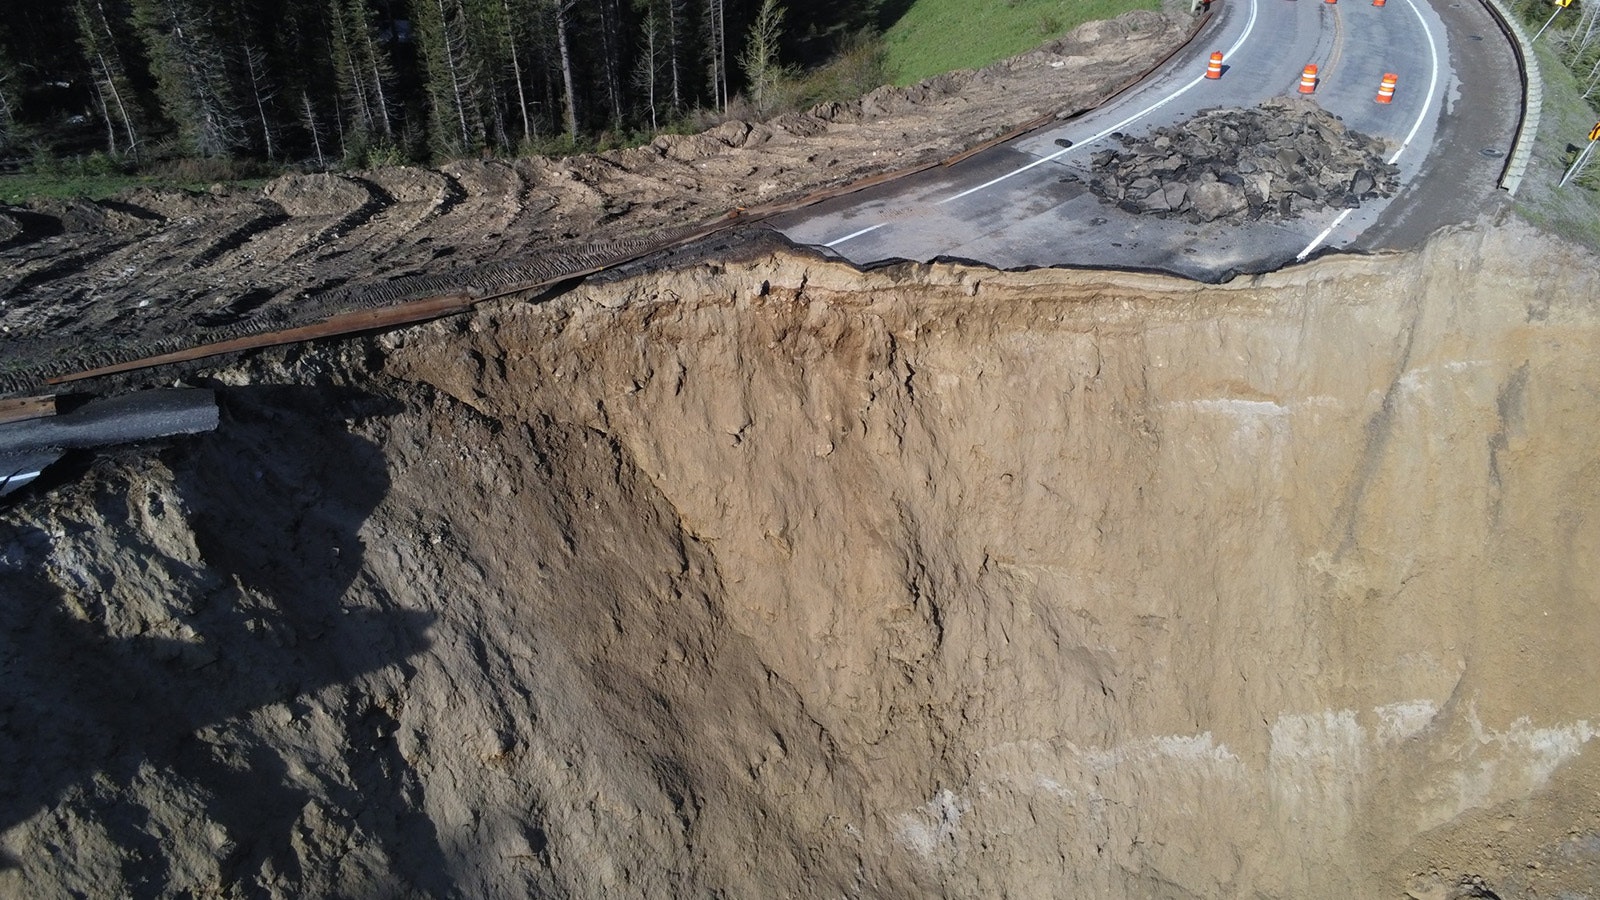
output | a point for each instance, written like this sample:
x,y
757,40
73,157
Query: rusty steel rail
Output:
x,y
406,312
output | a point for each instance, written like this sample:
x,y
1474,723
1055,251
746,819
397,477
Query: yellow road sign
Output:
x,y
1563,3
1594,133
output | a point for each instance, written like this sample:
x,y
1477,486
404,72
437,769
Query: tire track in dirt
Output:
x,y
272,216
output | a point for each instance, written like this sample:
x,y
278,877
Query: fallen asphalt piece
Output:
x,y
28,447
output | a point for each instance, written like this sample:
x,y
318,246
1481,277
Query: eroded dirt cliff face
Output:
x,y
765,577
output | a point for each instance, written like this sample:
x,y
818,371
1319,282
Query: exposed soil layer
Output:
x,y
766,577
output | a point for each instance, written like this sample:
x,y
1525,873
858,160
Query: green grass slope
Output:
x,y
1573,210
937,36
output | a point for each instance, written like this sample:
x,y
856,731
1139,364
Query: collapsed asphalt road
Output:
x,y
1450,125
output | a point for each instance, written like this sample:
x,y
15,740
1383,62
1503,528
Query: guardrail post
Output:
x,y
1576,169
1560,5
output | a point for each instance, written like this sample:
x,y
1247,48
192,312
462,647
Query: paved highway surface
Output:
x,y
1452,122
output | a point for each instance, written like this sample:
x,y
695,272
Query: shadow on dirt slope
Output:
x,y
103,688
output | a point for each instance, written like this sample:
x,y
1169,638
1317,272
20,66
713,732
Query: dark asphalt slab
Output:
x,y
1023,204
27,447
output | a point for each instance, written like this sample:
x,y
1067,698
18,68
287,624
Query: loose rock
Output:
x,y
1277,161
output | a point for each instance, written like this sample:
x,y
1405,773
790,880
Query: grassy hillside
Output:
x,y
940,35
1574,210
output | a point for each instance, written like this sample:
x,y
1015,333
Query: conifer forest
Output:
x,y
321,83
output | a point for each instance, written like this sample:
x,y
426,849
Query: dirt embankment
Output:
x,y
765,577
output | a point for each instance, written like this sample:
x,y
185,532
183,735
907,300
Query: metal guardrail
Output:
x,y
1532,96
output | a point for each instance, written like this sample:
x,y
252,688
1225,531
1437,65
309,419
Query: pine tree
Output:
x,y
375,63
716,33
190,68
657,69
674,36
343,47
611,26
652,54
563,10
452,76
8,103
320,79
296,37
491,35
308,119
513,38
759,60
262,94
114,94
362,69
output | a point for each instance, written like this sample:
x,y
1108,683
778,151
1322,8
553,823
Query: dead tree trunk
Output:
x,y
516,71
308,115
261,93
562,8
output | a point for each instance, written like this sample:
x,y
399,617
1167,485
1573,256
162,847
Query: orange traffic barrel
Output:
x,y
1308,80
1214,68
1377,2
1386,87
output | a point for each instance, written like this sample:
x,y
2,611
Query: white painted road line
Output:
x,y
1323,236
1433,82
854,234
1427,104
16,480
1249,26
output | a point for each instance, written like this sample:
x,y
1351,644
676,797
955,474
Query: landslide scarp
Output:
x,y
763,576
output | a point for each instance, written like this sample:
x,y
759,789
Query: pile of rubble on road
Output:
x,y
1274,162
